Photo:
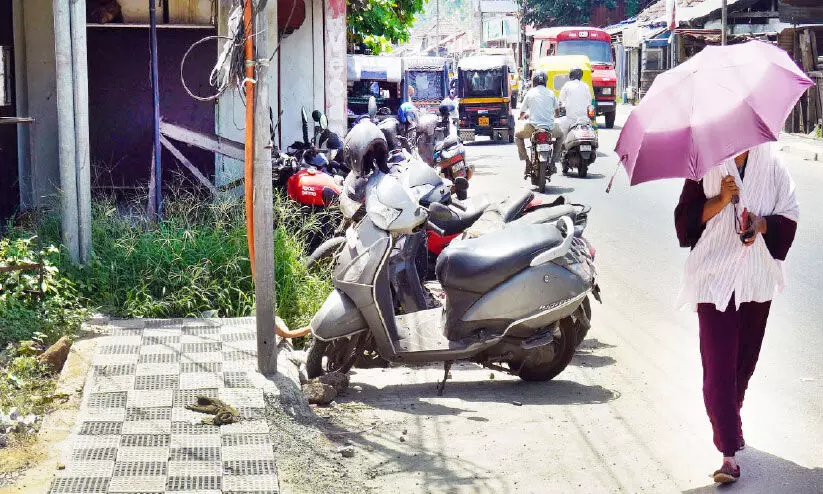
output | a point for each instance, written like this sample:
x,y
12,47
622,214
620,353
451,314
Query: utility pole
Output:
x,y
437,24
263,202
723,22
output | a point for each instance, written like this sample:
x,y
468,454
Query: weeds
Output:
x,y
195,260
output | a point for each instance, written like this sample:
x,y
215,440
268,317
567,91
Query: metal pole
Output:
x,y
264,288
81,125
723,22
65,128
437,43
158,169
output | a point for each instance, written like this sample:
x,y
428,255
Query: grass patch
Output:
x,y
194,260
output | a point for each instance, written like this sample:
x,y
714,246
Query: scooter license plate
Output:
x,y
483,121
544,147
585,147
458,166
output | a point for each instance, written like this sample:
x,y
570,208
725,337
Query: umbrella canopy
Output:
x,y
721,102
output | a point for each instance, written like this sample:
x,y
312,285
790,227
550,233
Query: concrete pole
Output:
x,y
437,43
81,126
723,22
65,128
264,289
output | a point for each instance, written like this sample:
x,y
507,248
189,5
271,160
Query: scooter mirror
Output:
x,y
324,122
372,107
315,115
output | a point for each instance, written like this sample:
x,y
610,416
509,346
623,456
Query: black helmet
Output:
x,y
539,78
576,74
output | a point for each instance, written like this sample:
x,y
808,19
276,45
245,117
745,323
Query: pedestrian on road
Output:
x,y
739,221
538,110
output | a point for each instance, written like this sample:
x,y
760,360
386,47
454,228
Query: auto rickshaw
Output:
x,y
485,98
430,78
557,69
371,76
514,74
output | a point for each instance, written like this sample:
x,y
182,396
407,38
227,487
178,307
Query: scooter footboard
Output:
x,y
337,318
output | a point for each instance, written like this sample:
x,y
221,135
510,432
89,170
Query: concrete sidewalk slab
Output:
x,y
133,432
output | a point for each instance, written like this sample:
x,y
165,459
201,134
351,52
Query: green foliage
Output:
x,y
545,13
193,261
24,313
378,24
26,384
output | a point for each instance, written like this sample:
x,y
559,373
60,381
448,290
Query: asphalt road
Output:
x,y
627,415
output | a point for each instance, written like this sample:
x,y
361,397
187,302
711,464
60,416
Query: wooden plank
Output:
x,y
754,15
193,169
202,140
809,63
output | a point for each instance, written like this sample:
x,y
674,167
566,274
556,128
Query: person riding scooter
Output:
x,y
576,99
538,110
451,102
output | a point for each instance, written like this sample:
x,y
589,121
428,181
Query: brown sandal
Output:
x,y
726,474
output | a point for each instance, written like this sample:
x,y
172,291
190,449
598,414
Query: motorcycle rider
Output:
x,y
538,110
576,98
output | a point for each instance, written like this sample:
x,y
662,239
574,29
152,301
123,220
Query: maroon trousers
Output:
x,y
729,346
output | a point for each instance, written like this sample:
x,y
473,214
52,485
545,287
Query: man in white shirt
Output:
x,y
451,101
576,98
538,110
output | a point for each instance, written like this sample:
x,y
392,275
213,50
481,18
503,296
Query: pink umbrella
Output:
x,y
721,102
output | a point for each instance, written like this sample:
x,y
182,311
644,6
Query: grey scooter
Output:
x,y
511,295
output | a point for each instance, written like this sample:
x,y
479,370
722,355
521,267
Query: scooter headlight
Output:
x,y
382,215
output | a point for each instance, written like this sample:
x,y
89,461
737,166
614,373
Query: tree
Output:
x,y
378,24
545,13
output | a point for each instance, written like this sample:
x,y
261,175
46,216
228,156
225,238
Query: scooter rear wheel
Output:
x,y
543,364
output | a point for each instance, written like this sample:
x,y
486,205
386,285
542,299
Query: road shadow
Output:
x,y
593,361
594,344
488,143
764,473
506,392
553,189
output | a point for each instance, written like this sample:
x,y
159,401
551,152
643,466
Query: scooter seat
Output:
x,y
514,205
479,264
448,142
451,221
545,215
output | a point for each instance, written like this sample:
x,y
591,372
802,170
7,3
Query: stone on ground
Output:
x,y
56,354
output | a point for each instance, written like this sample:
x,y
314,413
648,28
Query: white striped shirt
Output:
x,y
720,265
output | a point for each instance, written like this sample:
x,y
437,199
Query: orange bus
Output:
x,y
593,43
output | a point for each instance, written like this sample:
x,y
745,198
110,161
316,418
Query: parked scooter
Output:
x,y
512,295
579,148
449,152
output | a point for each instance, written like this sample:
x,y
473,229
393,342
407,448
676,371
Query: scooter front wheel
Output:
x,y
340,355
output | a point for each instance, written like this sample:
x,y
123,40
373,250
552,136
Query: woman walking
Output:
x,y
739,221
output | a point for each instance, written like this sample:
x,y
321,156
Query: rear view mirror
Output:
x,y
324,122
461,186
315,115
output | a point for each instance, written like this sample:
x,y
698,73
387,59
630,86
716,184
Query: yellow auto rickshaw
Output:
x,y
485,98
557,69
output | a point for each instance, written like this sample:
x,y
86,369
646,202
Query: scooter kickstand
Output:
x,y
441,386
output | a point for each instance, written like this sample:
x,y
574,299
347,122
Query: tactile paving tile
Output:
x,y
159,358
188,367
197,380
236,380
94,454
183,397
114,370
260,484
156,382
145,440
135,435
100,428
195,454
78,485
156,398
155,413
248,467
201,483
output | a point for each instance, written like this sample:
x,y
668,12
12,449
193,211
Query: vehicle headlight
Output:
x,y
382,215
607,91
